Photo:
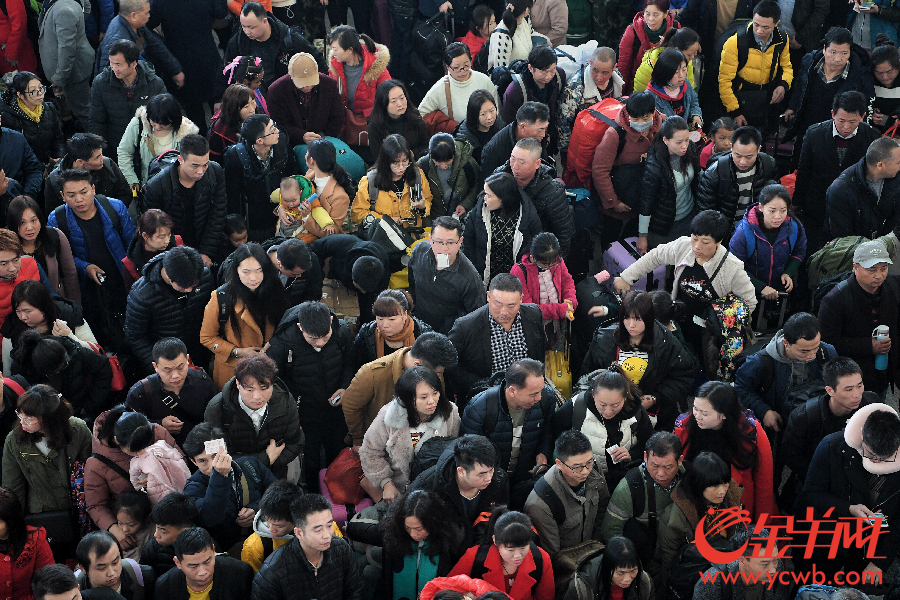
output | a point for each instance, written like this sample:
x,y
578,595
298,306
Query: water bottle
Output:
x,y
882,332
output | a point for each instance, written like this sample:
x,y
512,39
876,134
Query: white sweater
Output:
x,y
436,98
503,50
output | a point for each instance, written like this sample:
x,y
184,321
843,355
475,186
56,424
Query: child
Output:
x,y
155,467
132,510
172,515
273,526
481,24
721,139
298,201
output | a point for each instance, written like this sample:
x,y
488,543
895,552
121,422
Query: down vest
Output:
x,y
549,199
288,574
658,192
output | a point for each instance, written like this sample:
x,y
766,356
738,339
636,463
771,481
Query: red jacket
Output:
x,y
758,497
474,43
531,287
521,589
459,583
14,38
28,269
374,72
629,56
17,574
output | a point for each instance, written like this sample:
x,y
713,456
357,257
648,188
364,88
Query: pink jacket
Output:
x,y
159,470
531,287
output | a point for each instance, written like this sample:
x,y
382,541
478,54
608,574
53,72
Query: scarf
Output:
x,y
406,336
418,569
655,36
34,115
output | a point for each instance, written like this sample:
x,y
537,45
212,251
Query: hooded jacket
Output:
x,y
138,138
44,136
549,199
463,131
529,274
723,196
634,44
388,203
852,208
375,71
769,261
516,95
498,150
136,258
645,70
159,471
464,178
254,550
527,584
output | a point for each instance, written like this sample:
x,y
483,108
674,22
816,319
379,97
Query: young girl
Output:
x,y
511,39
483,22
156,467
248,71
721,139
132,510
298,201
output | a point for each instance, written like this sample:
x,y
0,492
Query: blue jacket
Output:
x,y
102,12
767,261
19,162
116,242
155,50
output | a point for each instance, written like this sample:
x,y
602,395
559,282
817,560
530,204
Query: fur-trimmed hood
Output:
x,y
187,126
374,64
853,438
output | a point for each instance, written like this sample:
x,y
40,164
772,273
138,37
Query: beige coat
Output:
x,y
551,18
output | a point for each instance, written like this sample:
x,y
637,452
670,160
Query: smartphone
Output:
x,y
335,400
101,278
866,6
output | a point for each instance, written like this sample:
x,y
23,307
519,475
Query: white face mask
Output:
x,y
640,127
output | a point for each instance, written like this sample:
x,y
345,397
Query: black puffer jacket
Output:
x,y
155,311
313,376
45,137
165,193
232,579
288,574
365,341
658,192
549,199
853,209
108,181
498,150
722,195
66,310
157,556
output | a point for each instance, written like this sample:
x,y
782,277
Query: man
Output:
x,y
262,35
315,356
14,269
492,337
168,301
55,582
119,90
18,161
771,381
733,181
315,565
306,104
171,515
756,564
131,24
515,415
468,480
226,491
298,269
532,120
809,423
587,86
568,504
66,55
176,395
85,151
373,385
102,566
259,415
460,290
254,167
191,192
865,199
360,265
538,184
828,149
544,82
766,67
851,311
200,573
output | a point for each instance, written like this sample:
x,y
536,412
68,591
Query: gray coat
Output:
x,y
66,55
440,304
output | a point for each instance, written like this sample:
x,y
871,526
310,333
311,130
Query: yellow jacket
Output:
x,y
253,554
643,75
756,70
387,203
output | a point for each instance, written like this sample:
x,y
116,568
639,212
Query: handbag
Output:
x,y
118,374
59,525
437,121
342,478
556,366
356,129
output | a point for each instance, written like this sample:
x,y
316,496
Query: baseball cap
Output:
x,y
869,254
303,70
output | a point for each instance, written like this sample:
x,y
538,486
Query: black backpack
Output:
x,y
685,572
168,157
426,64
502,75
480,62
428,455
825,286
643,535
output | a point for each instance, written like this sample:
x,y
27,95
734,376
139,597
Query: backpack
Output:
x,y
517,78
834,257
168,157
224,311
426,64
502,75
826,285
688,566
479,568
643,535
480,63
104,203
587,132
797,396
427,456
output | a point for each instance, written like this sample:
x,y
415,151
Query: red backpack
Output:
x,y
590,126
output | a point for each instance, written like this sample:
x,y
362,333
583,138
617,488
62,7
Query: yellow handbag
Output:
x,y
556,366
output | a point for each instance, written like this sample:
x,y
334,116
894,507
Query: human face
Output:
x,y
654,17
543,76
836,57
316,535
248,109
706,416
525,397
160,130
269,136
662,469
396,102
106,570
198,568
30,315
601,73
692,51
635,326
94,163
34,94
869,279
715,494
460,68
609,402
445,241
846,122
575,469
29,226
763,27
73,594
774,213
165,534
254,28
159,241
317,342
291,197
766,567
847,395
128,524
489,26
391,326
504,306
415,529
121,68
399,166
9,265
890,167
204,463
426,400
30,423
803,350
79,195
869,454
679,143
886,74
250,272
744,155
488,116
279,527
238,239
255,394
524,165
623,576
140,18
679,77
722,140
172,373
704,247
193,167
537,130
512,555
478,478
491,200
340,54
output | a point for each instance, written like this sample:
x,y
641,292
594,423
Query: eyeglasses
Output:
x,y
444,243
38,92
460,69
878,459
272,132
581,468
548,265
26,420
400,164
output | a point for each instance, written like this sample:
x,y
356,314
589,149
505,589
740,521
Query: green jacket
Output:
x,y
464,178
620,508
42,482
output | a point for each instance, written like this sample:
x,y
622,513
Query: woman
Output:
x,y
771,242
391,113
256,301
248,71
651,356
452,175
156,467
704,271
418,412
685,40
669,313
41,450
885,68
238,103
509,561
155,128
511,40
674,93
670,186
23,109
396,178
446,103
482,121
551,19
152,237
706,485
868,25
23,548
348,50
613,417
34,308
47,245
620,574
481,23
719,424
333,184
105,474
500,227
419,544
645,32
393,328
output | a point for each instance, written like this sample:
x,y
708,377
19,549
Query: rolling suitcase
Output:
x,y
621,255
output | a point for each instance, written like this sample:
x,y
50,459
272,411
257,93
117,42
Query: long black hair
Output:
x,y
431,511
619,553
14,213
739,433
267,303
12,513
394,148
514,9
707,470
380,118
325,154
405,391
45,403
639,304
669,128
